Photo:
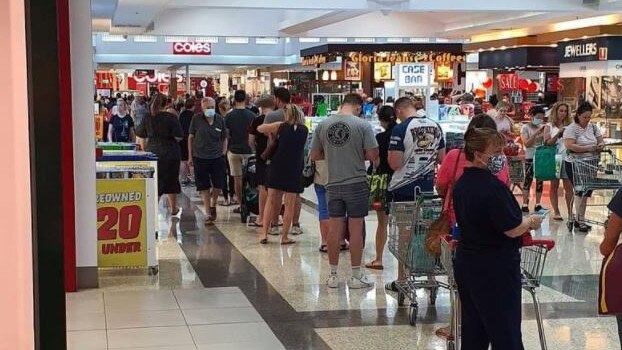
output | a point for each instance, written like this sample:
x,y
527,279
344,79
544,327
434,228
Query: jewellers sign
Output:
x,y
191,48
593,49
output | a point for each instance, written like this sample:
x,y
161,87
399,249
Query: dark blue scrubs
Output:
x,y
487,262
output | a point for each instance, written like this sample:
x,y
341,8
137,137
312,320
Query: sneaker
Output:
x,y
296,230
364,282
274,231
333,281
583,225
525,209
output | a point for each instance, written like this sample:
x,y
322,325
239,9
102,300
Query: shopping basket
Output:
x,y
408,225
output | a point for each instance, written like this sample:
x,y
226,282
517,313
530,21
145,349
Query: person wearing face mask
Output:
x,y
487,258
207,145
532,135
121,125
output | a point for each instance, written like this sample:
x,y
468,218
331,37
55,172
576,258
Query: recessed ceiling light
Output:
x,y
236,40
336,40
309,40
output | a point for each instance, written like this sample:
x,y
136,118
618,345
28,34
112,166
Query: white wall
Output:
x,y
16,274
83,132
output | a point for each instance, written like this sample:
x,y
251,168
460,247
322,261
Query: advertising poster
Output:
x,y
352,70
382,71
121,223
611,96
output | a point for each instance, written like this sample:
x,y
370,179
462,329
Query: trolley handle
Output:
x,y
528,241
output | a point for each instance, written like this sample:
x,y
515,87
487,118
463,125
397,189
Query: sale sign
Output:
x,y
121,222
508,82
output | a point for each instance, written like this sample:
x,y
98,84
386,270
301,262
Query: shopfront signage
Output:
x,y
314,60
413,75
406,57
508,82
191,48
156,78
121,222
593,49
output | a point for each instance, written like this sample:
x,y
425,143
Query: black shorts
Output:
x,y
183,145
168,176
210,173
529,172
261,169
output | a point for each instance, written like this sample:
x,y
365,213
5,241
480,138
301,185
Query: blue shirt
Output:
x,y
485,209
420,139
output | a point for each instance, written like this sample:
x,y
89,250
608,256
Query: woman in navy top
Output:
x,y
487,261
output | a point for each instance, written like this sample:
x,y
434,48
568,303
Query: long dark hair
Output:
x,y
157,104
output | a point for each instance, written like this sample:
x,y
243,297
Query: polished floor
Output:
x,y
219,289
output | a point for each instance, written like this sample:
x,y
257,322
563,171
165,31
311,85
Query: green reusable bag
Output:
x,y
545,166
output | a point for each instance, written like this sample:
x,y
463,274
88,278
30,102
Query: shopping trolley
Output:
x,y
408,225
533,257
447,262
600,171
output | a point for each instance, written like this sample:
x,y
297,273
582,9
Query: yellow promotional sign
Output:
x,y
121,222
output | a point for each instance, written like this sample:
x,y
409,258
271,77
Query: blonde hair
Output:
x,y
293,115
479,139
554,118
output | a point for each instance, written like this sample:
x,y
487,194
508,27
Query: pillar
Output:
x,y
188,90
172,84
83,142
16,257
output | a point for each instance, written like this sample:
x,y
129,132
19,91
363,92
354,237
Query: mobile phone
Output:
x,y
542,213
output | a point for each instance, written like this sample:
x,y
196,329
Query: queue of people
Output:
x,y
216,140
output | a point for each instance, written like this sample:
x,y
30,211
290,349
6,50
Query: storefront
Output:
x,y
370,69
524,76
591,70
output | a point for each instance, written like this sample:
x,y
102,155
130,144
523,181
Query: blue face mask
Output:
x,y
209,112
536,121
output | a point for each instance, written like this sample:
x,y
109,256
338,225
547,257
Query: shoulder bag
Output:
x,y
442,225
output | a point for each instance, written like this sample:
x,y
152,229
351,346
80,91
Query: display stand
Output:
x,y
127,202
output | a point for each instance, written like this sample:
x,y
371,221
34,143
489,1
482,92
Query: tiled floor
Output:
x,y
212,318
219,289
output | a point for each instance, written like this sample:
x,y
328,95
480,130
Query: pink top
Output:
x,y
445,175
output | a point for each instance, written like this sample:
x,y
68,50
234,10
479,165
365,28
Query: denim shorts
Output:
x,y
322,206
350,200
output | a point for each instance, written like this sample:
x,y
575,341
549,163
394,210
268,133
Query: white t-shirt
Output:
x,y
561,145
503,124
587,136
527,131
420,139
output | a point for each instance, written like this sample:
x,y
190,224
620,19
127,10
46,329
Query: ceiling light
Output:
x,y
145,39
419,40
325,75
394,40
309,40
442,40
175,39
288,39
236,40
333,75
207,39
503,47
336,40
586,22
266,41
113,38
364,40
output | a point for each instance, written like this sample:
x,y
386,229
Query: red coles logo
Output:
x,y
186,48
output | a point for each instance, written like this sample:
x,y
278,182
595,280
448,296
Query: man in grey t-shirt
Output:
x,y
345,142
207,144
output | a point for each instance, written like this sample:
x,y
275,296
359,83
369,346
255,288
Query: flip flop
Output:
x,y
288,242
324,248
558,218
263,241
344,247
255,224
391,287
373,266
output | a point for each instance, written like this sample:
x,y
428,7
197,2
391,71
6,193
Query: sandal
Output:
x,y
288,242
324,248
263,241
391,287
255,224
344,247
558,218
444,332
372,266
